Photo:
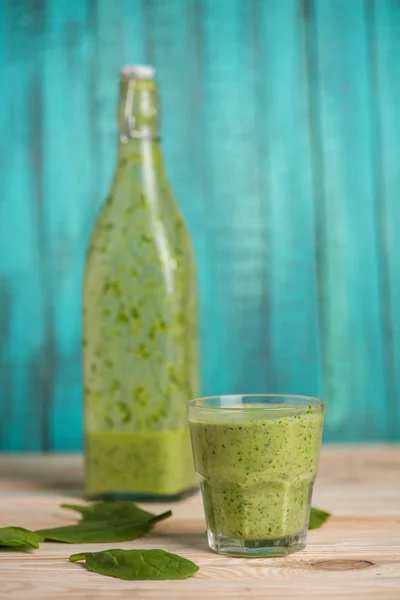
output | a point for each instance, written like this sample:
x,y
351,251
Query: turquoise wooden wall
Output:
x,y
281,125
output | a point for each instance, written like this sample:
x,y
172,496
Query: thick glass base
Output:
x,y
256,548
134,497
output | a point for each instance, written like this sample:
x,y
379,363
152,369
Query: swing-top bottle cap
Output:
x,y
138,71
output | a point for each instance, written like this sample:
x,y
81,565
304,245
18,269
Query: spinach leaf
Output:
x,y
105,522
137,564
115,510
95,532
18,537
317,518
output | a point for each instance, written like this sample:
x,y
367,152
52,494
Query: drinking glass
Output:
x,y
256,457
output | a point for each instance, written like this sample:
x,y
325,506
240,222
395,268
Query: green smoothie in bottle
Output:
x,y
140,319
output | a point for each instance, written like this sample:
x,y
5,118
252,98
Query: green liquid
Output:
x,y
149,463
257,475
140,324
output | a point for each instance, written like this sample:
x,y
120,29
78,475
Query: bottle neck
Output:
x,y
139,149
138,110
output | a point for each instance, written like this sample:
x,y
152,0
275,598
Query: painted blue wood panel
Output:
x,y
23,336
235,225
351,315
281,135
287,200
385,53
68,176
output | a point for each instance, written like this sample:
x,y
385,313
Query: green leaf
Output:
x,y
317,518
18,537
114,510
104,522
137,564
95,532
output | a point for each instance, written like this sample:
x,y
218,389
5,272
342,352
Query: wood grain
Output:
x,y
287,206
351,312
355,555
385,45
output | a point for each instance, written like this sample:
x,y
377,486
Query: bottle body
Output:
x,y
140,335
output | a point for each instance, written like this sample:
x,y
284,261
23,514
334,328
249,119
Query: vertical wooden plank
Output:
x,y
351,328
237,350
23,326
384,17
106,20
5,292
288,203
68,182
133,32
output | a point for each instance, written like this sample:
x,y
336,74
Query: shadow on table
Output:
x,y
187,540
52,472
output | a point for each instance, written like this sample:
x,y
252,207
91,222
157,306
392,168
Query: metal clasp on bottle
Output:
x,y
130,121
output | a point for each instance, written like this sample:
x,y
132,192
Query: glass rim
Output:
x,y
200,403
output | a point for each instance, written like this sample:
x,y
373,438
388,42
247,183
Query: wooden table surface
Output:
x,y
355,555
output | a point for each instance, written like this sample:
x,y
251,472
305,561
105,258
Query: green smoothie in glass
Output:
x,y
256,458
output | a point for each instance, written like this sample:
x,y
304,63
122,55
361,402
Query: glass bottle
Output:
x,y
140,319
